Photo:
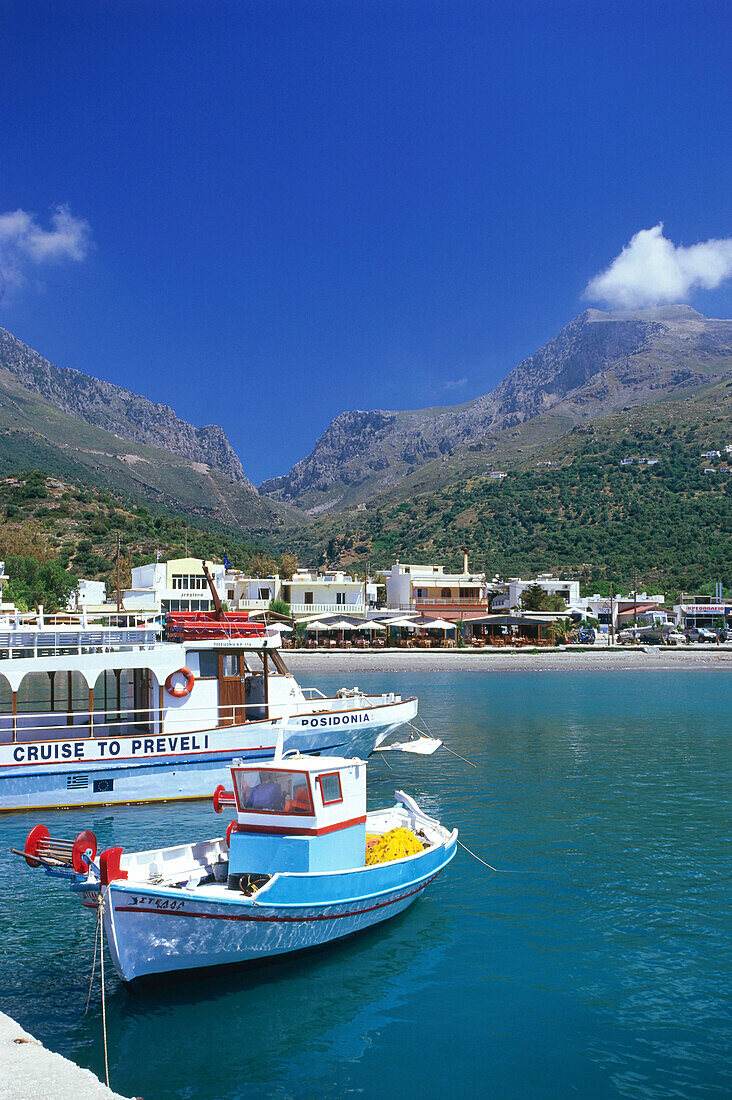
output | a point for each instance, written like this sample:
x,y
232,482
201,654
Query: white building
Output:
x,y
5,606
553,586
703,612
88,594
310,593
429,588
176,585
244,593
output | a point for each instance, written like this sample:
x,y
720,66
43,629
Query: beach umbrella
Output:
x,y
370,625
438,624
402,622
282,627
341,624
315,625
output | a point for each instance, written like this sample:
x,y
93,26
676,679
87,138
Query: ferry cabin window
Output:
x,y
269,791
330,788
230,664
208,664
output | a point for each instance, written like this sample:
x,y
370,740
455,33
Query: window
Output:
x,y
340,598
330,788
420,593
308,597
230,664
264,594
208,664
446,593
270,791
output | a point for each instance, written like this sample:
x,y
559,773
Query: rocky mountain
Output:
x,y
598,363
118,410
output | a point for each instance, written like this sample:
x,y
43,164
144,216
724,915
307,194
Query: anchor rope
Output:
x,y
104,1001
94,959
498,870
431,734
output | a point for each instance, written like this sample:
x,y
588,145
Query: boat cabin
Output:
x,y
298,814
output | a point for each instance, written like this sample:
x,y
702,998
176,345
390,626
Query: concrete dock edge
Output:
x,y
28,1071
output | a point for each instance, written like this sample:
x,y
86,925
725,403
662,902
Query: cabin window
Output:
x,y
208,664
330,788
230,664
269,791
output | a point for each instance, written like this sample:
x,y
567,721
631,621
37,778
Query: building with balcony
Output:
x,y
310,593
245,593
512,591
176,585
432,591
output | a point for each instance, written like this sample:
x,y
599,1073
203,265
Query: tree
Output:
x,y
262,565
533,597
280,607
32,583
288,566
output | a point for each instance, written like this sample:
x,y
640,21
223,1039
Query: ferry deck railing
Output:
x,y
50,643
129,721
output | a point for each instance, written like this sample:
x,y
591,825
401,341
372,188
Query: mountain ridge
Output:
x,y
598,362
119,410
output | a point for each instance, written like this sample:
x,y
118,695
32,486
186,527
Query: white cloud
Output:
x,y
455,384
652,271
25,243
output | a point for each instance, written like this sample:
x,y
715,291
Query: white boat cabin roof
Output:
x,y
298,793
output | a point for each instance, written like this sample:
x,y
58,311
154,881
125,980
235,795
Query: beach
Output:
x,y
569,659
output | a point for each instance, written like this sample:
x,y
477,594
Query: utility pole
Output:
x,y
366,589
119,598
635,596
612,616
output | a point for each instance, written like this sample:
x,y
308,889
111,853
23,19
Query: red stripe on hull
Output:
x,y
271,920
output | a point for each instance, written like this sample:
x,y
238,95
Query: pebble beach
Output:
x,y
569,659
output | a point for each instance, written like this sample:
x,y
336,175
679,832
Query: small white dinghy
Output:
x,y
302,864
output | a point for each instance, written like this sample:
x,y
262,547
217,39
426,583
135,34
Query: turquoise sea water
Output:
x,y
597,965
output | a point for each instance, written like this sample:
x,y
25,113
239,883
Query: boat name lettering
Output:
x,y
337,720
91,750
156,903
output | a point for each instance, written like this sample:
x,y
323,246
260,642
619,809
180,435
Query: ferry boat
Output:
x,y
302,864
117,714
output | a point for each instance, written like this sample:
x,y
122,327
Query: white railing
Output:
x,y
52,642
252,605
327,608
45,726
445,601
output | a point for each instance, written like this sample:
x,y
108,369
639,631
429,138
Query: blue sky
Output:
x,y
294,209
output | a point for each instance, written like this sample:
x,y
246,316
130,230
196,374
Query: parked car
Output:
x,y
675,638
699,634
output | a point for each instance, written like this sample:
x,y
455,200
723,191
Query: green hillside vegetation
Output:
x,y
585,515
59,526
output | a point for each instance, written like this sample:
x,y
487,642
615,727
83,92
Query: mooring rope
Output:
x,y
104,1002
498,870
431,734
94,959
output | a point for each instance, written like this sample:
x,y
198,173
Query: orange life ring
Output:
x,y
182,689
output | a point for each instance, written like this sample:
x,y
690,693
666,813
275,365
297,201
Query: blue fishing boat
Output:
x,y
302,863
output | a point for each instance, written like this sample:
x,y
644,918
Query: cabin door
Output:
x,y
231,690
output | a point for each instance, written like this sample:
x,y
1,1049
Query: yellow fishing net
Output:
x,y
395,844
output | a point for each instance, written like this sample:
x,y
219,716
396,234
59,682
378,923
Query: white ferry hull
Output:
x,y
108,771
